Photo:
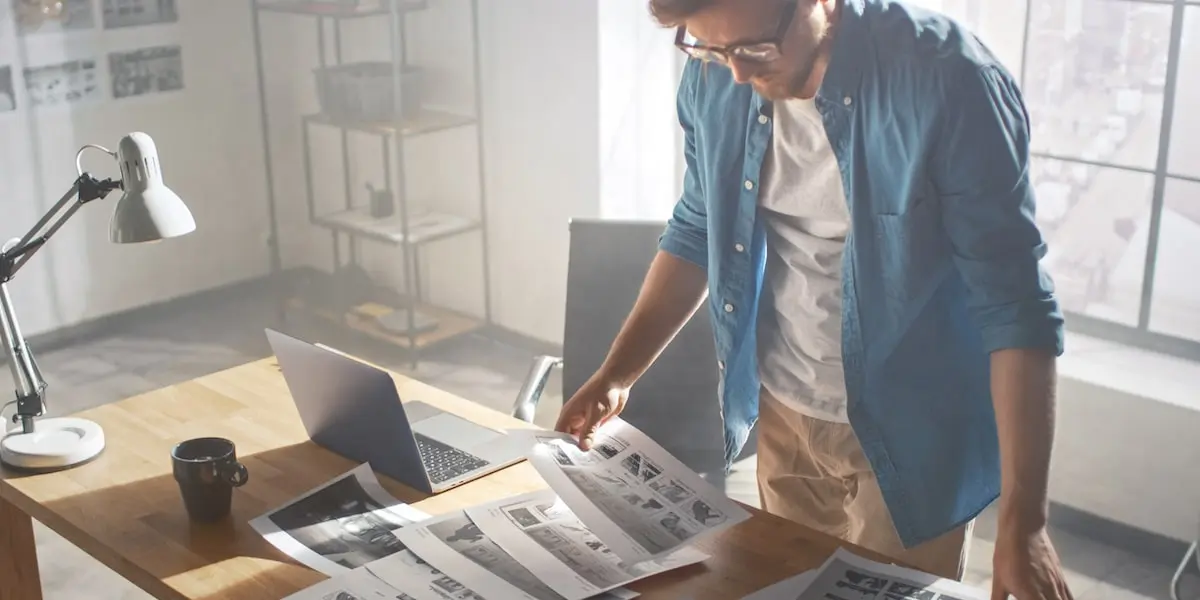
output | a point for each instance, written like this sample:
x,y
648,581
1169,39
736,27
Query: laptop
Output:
x,y
354,409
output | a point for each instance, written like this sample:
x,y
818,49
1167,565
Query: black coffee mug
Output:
x,y
207,470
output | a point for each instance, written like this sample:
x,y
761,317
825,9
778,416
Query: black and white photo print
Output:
x,y
53,16
133,13
63,83
342,523
146,71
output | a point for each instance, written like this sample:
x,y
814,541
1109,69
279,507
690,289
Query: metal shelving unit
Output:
x,y
404,229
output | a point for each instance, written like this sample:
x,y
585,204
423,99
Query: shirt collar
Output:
x,y
850,45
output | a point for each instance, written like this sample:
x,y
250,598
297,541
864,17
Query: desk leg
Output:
x,y
19,579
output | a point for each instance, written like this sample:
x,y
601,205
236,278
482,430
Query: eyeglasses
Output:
x,y
762,51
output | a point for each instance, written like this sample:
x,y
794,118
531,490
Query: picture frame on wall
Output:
x,y
71,82
47,16
8,96
118,14
151,70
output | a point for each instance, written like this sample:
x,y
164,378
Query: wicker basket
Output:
x,y
363,92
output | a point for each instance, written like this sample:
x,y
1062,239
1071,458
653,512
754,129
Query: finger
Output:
x,y
569,421
588,435
1064,591
612,408
563,423
998,590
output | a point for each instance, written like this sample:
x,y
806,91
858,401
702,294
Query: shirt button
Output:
x,y
847,101
762,119
749,184
728,307
739,248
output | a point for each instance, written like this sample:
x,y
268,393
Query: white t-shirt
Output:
x,y
807,219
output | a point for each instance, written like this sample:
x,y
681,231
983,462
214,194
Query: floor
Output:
x,y
170,346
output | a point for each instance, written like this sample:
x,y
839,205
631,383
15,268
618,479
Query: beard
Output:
x,y
782,86
815,39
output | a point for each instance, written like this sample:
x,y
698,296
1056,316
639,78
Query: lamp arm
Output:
x,y
85,189
26,375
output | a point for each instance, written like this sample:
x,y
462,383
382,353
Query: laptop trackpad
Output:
x,y
455,431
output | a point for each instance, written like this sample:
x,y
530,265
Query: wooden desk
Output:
x,y
124,508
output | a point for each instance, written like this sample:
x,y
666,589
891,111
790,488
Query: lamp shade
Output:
x,y
148,210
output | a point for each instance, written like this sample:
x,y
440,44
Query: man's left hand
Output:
x,y
1026,566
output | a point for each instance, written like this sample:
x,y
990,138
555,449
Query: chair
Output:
x,y
675,403
1192,551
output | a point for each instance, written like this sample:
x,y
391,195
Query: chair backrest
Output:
x,y
675,402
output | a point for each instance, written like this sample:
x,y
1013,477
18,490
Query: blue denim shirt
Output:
x,y
941,265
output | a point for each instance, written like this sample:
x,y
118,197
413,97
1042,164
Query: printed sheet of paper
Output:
x,y
847,576
454,545
631,492
357,584
340,525
541,531
400,576
415,579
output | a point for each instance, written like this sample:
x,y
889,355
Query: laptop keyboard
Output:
x,y
443,462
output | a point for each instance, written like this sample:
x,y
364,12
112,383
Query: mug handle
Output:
x,y
236,474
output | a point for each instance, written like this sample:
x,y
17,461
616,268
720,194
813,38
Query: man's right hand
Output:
x,y
674,288
593,405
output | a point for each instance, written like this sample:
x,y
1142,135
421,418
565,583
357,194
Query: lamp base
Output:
x,y
56,443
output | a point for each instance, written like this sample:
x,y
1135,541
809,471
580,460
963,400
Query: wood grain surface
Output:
x,y
124,508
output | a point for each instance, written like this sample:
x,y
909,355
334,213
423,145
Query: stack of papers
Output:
x,y
847,576
623,511
620,512
344,524
632,493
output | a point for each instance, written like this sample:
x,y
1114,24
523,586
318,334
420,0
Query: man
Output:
x,y
861,215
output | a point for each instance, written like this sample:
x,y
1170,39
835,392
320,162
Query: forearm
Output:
x,y
672,291
1023,392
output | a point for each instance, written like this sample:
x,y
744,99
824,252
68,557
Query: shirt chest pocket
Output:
x,y
911,245
896,187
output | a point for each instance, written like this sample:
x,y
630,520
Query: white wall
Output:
x,y
211,155
1128,437
640,140
541,112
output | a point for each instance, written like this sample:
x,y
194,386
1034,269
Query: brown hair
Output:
x,y
672,13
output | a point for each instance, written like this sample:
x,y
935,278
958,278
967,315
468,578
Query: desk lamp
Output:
x,y
148,211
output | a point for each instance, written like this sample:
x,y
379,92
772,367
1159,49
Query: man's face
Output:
x,y
733,22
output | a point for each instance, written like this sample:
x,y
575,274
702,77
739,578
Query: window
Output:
x,y
1090,83
1094,220
1117,163
1185,137
1116,155
1175,301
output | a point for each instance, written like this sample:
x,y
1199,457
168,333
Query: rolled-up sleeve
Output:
x,y
981,170
686,235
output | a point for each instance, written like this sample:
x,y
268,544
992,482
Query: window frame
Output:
x,y
1140,335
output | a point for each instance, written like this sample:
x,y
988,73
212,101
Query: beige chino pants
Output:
x,y
814,472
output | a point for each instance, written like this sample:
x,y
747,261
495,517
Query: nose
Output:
x,y
742,71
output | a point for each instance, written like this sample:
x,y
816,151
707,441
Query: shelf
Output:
x,y
450,324
425,121
335,10
423,227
